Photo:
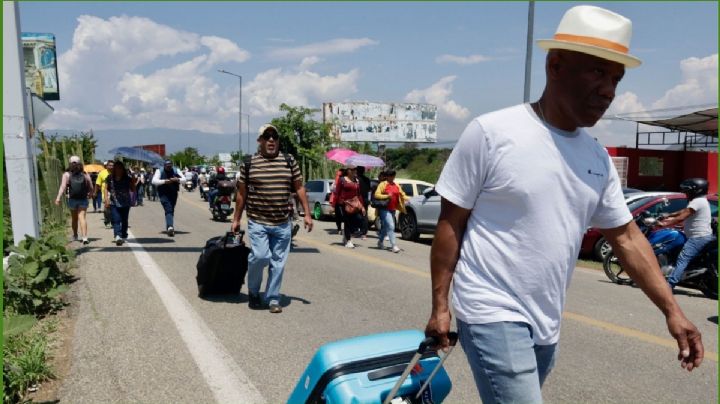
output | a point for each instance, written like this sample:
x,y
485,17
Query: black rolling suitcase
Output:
x,y
222,265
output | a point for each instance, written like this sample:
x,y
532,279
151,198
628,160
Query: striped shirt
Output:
x,y
271,183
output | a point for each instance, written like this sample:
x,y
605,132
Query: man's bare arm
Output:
x,y
637,258
444,255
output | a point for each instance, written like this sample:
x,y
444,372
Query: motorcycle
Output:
x,y
188,185
204,189
701,273
222,208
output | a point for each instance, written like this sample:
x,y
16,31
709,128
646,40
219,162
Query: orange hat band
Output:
x,y
588,40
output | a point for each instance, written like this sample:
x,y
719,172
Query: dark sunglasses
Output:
x,y
270,135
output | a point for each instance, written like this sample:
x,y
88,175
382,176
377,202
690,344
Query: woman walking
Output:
x,y
78,185
352,206
389,191
117,199
334,200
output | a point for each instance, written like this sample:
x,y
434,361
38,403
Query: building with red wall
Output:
x,y
157,148
663,170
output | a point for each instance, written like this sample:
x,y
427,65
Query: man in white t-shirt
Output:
x,y
697,219
518,191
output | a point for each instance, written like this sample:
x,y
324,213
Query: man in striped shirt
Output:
x,y
264,190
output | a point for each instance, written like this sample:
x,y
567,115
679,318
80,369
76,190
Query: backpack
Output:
x,y
248,160
78,187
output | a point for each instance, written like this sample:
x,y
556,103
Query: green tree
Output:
x,y
303,137
187,157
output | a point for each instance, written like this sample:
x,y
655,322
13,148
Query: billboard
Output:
x,y
382,122
40,63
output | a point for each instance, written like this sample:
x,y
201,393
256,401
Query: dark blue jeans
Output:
x,y
120,217
140,193
97,201
168,203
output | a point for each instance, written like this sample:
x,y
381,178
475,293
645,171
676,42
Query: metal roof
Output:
x,y
702,122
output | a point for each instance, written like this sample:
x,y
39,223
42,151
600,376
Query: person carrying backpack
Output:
x,y
78,186
167,183
265,183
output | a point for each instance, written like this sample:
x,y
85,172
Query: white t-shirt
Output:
x,y
533,191
698,225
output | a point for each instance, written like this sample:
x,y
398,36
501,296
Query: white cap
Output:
x,y
74,159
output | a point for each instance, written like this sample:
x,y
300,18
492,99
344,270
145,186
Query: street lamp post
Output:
x,y
248,133
240,114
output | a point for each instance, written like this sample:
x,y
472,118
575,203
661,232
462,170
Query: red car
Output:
x,y
594,244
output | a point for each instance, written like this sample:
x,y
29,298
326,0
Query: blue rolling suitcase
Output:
x,y
396,367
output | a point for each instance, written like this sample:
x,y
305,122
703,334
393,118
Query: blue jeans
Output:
x,y
97,201
168,203
388,226
691,249
140,193
120,217
269,245
507,365
212,194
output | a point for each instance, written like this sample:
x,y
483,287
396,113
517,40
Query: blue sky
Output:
x,y
134,65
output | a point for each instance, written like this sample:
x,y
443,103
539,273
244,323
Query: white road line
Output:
x,y
226,380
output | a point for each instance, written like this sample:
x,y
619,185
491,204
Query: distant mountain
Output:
x,y
208,144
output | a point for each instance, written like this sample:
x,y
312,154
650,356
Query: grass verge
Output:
x,y
26,361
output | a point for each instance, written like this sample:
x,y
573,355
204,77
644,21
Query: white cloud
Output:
x,y
333,46
308,62
698,86
104,84
462,60
224,50
271,88
439,94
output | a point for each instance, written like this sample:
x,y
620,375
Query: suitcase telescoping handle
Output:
x,y
231,235
425,345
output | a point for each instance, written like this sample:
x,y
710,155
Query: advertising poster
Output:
x,y
382,122
40,62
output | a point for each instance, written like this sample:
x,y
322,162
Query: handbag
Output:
x,y
353,205
380,203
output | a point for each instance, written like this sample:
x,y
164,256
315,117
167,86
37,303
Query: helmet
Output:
x,y
221,170
694,187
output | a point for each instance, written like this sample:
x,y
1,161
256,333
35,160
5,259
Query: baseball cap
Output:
x,y
265,128
74,159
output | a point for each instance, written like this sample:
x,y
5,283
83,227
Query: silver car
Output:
x,y
318,194
421,215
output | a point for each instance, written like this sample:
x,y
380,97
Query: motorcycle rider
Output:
x,y
212,184
697,219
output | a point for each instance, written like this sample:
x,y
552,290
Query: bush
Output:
x,y
25,361
37,274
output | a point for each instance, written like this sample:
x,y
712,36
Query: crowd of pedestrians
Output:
x,y
113,192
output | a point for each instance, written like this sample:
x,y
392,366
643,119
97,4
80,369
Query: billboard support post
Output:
x,y
16,132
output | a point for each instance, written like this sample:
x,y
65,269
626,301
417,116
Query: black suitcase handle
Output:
x,y
230,235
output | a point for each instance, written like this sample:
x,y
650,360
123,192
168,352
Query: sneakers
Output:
x,y
275,307
395,249
85,241
118,241
380,245
254,303
75,238
349,244
171,231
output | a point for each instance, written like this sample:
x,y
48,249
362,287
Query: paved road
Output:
x,y
133,345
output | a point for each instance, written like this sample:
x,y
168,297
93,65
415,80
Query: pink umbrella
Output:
x,y
340,155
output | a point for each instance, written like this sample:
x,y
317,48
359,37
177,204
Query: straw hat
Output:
x,y
594,31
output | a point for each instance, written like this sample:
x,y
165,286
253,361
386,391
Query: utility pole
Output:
x,y
239,109
528,49
22,182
